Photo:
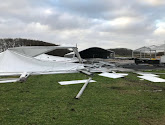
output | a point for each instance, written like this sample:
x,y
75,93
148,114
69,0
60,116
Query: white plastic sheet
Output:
x,y
74,82
152,78
146,74
113,75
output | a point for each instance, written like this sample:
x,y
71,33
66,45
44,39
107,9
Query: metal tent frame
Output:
x,y
149,50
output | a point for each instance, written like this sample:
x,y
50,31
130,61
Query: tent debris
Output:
x,y
22,78
16,62
46,57
83,88
9,80
152,78
145,74
20,61
113,75
25,61
74,82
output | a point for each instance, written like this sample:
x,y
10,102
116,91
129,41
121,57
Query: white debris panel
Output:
x,y
152,78
146,74
113,75
74,82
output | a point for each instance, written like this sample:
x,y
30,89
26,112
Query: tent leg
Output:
x,y
83,88
24,76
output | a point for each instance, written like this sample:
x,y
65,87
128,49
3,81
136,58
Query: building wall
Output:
x,y
96,52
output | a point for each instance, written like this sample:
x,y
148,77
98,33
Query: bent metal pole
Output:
x,y
83,88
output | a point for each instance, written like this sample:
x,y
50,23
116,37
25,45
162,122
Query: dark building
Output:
x,y
96,52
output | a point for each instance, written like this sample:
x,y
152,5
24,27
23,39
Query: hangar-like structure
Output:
x,y
95,52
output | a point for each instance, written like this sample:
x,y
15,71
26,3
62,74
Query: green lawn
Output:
x,y
42,101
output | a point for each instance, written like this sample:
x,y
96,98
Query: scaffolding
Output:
x,y
149,52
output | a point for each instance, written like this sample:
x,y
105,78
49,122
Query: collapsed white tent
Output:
x,y
34,51
14,61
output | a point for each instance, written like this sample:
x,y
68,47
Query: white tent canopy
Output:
x,y
13,61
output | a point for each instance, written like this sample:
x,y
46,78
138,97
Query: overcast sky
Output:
x,y
102,23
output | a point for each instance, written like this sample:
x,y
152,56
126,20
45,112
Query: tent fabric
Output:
x,y
47,57
37,50
11,61
32,50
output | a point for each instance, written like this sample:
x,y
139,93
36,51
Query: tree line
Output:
x,y
122,51
17,42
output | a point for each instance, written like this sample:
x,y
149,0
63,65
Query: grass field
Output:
x,y
42,101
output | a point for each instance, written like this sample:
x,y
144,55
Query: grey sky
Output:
x,y
102,23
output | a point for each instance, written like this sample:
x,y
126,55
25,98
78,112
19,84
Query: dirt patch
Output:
x,y
144,83
149,121
132,92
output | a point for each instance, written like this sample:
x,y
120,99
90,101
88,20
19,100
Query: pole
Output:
x,y
144,53
132,54
83,88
